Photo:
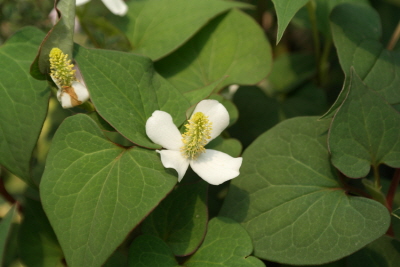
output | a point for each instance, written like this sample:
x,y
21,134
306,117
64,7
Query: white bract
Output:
x,y
118,7
208,120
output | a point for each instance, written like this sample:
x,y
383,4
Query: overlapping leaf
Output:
x,y
364,132
226,244
37,243
94,192
285,10
288,199
61,36
357,42
181,219
126,91
23,102
156,28
231,45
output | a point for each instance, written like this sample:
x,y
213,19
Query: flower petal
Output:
x,y
81,2
217,114
216,167
161,130
175,160
118,7
65,100
81,91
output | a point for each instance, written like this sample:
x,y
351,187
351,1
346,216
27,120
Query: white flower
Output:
x,y
71,92
208,120
118,7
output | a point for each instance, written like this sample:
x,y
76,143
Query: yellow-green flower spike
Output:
x,y
198,130
61,68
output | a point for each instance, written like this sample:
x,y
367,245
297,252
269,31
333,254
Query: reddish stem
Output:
x,y
392,189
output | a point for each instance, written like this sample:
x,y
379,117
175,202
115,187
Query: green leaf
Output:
x,y
37,243
156,28
291,70
196,95
61,36
364,132
384,251
23,102
181,219
289,200
5,229
231,45
94,192
126,91
357,42
148,250
226,244
285,10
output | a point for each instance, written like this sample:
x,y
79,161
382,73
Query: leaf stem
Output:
x,y
323,65
3,192
317,45
395,37
377,177
392,189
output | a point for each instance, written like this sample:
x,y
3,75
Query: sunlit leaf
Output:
x,y
230,45
126,91
94,192
289,200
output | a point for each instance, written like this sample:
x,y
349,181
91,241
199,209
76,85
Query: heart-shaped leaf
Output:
x,y
356,38
94,192
126,90
61,36
37,243
23,102
181,219
156,28
222,48
285,10
5,229
364,132
288,198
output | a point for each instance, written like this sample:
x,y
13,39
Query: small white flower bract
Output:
x,y
213,166
117,7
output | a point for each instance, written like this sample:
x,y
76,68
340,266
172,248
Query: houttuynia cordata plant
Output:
x,y
200,133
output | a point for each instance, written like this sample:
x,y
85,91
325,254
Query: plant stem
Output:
x,y
317,46
392,189
3,192
323,64
395,37
376,176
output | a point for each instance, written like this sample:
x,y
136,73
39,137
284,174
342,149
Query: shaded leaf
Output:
x,y
289,200
357,42
126,91
23,102
37,243
156,28
94,193
285,10
229,146
181,219
226,244
384,251
61,36
5,230
364,132
230,45
148,250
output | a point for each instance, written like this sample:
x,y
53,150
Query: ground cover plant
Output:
x,y
200,133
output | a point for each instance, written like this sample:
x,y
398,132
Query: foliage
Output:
x,y
312,92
